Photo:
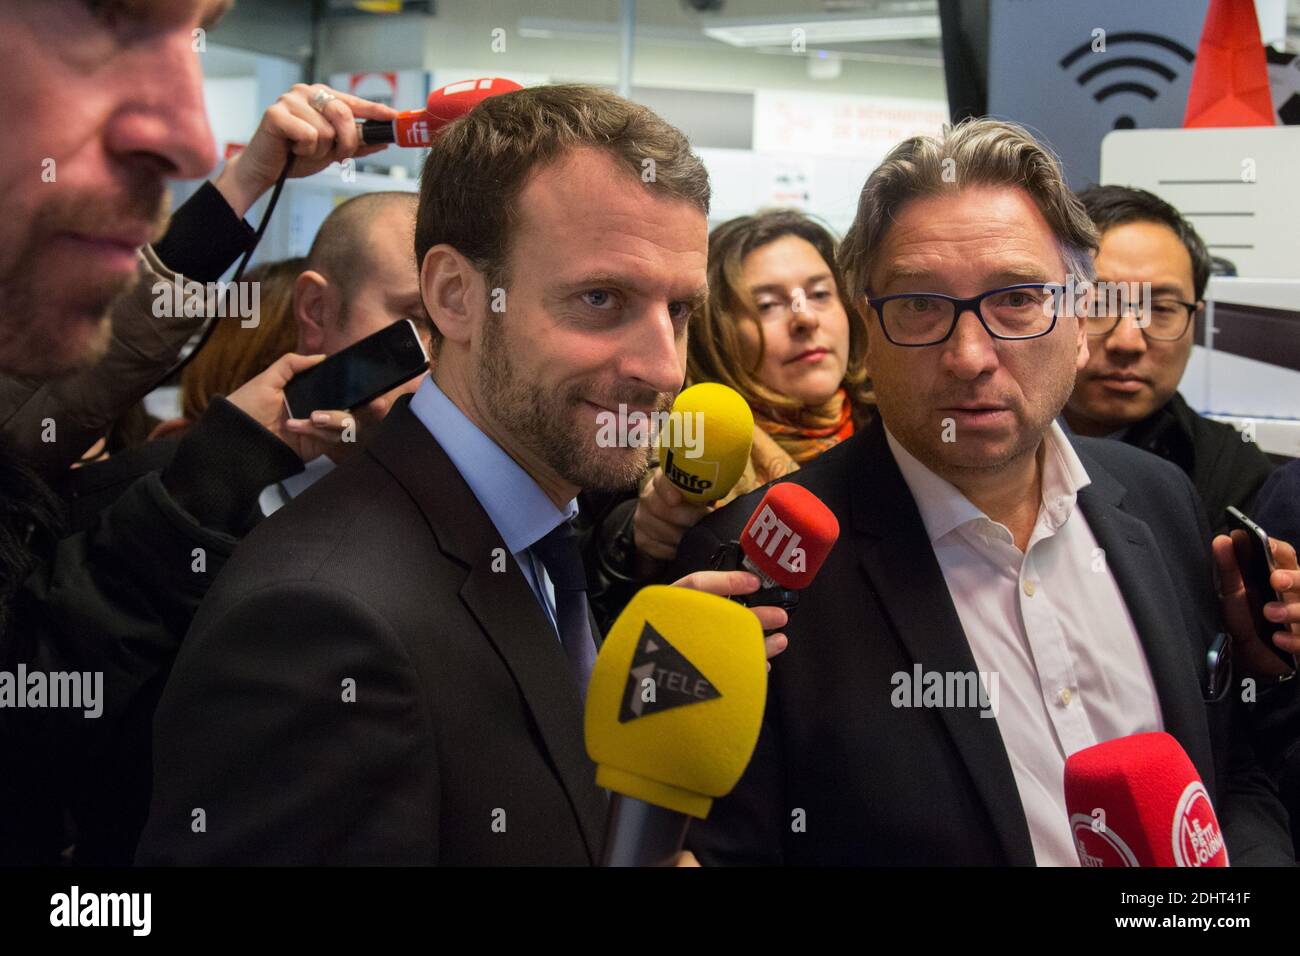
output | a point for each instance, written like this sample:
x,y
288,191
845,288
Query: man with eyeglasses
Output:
x,y
1001,595
1129,388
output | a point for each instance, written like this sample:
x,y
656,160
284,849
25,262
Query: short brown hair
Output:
x,y
715,349
974,152
478,166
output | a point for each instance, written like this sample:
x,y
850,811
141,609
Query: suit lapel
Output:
x,y
502,603
894,550
1134,558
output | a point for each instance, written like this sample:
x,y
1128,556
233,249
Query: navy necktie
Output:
x,y
558,551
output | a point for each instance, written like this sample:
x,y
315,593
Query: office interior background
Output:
x,y
793,102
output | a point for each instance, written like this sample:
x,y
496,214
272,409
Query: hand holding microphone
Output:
x,y
417,128
320,126
673,714
314,123
785,542
700,463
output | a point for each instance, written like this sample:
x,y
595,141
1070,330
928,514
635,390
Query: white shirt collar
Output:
x,y
944,509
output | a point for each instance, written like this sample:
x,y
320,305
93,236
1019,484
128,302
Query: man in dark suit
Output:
x,y
1060,592
392,669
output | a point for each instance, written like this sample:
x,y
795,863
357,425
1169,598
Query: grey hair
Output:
x,y
984,152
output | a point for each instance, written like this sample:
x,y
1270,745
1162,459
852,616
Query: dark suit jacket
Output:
x,y
1225,470
464,744
885,785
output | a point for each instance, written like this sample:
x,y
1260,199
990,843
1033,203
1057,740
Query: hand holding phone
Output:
x,y
1246,567
261,398
359,373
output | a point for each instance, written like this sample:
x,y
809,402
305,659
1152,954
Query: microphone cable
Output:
x,y
210,325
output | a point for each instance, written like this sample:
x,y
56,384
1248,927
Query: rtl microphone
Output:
x,y
705,454
1138,801
785,542
451,102
673,714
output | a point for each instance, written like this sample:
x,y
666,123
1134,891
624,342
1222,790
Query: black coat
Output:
x,y
387,572
883,785
1225,468
116,597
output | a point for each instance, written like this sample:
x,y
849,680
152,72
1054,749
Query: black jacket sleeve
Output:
x,y
114,601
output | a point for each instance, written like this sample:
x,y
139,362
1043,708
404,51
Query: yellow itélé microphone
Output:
x,y
673,714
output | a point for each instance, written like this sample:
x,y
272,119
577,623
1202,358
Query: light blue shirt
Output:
x,y
515,504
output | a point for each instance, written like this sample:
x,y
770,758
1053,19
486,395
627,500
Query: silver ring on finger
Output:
x,y
321,99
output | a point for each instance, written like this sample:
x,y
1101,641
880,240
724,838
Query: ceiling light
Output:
x,y
765,31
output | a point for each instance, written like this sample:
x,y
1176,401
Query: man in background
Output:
x,y
1129,388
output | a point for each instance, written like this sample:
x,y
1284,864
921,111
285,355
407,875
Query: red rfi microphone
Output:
x,y
785,543
1138,801
419,127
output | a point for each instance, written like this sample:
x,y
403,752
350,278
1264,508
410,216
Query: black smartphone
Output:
x,y
361,372
1250,542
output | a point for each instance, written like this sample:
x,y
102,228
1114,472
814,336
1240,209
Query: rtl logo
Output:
x,y
768,531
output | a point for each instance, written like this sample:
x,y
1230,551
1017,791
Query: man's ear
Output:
x,y
311,311
1082,311
453,292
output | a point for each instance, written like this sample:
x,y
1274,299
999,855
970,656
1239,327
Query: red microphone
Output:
x,y
1138,801
785,543
451,102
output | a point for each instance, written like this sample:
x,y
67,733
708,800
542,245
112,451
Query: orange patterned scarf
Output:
x,y
819,430
780,448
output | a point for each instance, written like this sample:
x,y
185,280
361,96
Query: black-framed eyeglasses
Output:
x,y
1167,319
1014,312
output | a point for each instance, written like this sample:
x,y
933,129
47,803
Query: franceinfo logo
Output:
x,y
681,431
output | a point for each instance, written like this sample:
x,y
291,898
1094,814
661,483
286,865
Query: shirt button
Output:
x,y
1066,696
1030,587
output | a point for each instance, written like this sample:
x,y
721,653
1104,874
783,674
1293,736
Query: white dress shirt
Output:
x,y
1050,622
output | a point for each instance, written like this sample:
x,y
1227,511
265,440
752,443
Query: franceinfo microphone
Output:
x,y
451,102
674,709
1138,801
705,455
785,542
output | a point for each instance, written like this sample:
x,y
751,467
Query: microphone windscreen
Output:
x,y
454,100
676,698
789,535
704,450
1138,801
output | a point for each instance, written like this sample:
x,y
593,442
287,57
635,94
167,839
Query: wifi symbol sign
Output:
x,y
1111,84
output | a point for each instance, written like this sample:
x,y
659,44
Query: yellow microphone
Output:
x,y
673,713
705,451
